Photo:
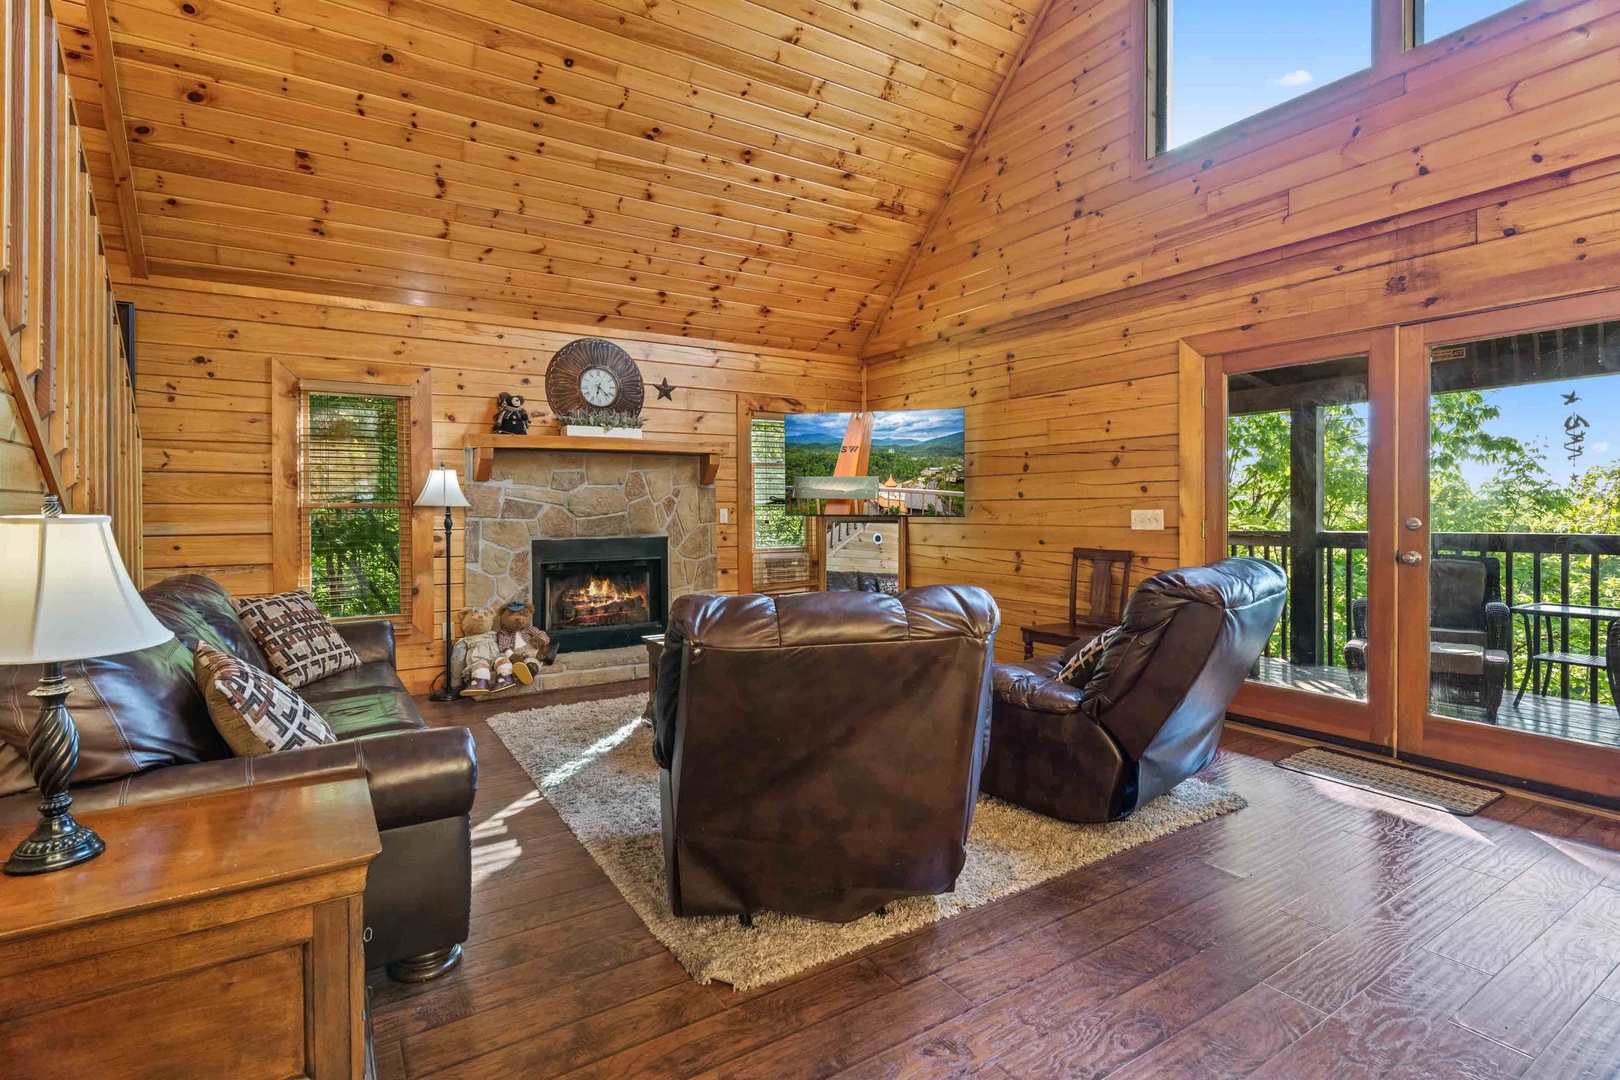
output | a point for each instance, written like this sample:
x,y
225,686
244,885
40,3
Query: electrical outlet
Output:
x,y
725,515
1147,519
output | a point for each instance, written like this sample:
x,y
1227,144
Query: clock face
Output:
x,y
598,387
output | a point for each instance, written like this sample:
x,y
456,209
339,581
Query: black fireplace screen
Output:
x,y
601,593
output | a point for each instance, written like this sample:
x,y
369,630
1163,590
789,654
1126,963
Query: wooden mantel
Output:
x,y
482,449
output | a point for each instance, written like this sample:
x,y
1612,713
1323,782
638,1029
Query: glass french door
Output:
x,y
1299,452
1508,562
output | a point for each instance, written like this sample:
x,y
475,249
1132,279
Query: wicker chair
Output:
x,y
1470,631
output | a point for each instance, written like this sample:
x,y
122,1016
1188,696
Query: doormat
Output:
x,y
1396,781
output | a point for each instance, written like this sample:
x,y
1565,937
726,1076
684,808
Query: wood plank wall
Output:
x,y
1052,297
67,414
203,357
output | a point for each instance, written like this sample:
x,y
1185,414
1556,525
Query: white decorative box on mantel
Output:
x,y
596,431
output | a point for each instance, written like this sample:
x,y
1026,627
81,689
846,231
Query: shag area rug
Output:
x,y
593,761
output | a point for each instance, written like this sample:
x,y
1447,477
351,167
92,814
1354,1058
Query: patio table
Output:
x,y
1533,616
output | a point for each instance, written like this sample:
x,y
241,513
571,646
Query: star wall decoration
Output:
x,y
665,391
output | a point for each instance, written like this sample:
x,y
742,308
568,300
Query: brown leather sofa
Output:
x,y
145,735
1152,712
820,752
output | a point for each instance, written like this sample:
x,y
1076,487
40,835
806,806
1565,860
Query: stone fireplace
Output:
x,y
599,499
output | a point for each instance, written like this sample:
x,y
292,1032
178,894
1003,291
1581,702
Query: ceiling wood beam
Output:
x,y
112,111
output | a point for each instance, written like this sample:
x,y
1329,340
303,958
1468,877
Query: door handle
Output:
x,y
1410,558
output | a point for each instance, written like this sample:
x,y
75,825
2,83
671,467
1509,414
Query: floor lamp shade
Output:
x,y
441,489
65,595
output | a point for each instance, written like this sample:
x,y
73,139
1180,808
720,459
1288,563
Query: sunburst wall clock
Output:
x,y
594,378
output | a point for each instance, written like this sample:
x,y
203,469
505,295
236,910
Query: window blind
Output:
x,y
779,556
353,494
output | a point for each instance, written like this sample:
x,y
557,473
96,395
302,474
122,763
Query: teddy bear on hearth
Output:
x,y
477,659
517,637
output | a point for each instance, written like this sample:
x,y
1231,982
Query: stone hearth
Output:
x,y
545,493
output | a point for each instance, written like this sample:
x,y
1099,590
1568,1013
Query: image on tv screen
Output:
x,y
911,461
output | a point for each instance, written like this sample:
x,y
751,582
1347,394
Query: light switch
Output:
x,y
1147,519
725,515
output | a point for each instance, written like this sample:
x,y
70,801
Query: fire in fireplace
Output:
x,y
591,600
597,594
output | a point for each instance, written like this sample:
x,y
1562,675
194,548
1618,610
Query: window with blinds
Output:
x,y
353,492
779,554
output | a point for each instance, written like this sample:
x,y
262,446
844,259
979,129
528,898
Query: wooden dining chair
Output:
x,y
1105,604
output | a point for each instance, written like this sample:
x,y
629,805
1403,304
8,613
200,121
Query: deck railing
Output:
x,y
1564,568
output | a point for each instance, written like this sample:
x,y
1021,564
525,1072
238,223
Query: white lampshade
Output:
x,y
441,489
64,594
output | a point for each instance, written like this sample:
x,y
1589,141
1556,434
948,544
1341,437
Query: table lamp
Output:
x,y
442,489
64,595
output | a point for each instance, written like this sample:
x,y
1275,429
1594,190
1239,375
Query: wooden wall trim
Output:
x,y
112,109
289,378
1192,412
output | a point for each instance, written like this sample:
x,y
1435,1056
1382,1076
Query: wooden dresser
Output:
x,y
218,936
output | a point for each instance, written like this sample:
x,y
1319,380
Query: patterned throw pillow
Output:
x,y
300,643
1077,671
253,710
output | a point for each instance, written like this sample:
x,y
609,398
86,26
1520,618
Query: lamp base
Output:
x,y
56,843
444,695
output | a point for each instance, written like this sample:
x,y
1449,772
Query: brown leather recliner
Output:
x,y
1152,712
145,735
820,752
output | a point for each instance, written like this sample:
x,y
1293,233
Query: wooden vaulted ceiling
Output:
x,y
757,171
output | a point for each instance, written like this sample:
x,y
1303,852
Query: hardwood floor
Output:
x,y
1321,932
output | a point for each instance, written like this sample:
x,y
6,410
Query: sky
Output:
x,y
915,425
1536,414
1231,60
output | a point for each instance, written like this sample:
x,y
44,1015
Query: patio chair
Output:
x,y
1470,631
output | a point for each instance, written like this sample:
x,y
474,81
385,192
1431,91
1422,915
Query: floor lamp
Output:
x,y
443,489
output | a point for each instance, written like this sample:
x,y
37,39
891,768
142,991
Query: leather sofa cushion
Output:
x,y
198,608
358,714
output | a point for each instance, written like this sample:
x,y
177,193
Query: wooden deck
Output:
x,y
1578,720
1321,932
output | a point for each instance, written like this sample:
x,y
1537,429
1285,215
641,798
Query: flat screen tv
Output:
x,y
871,464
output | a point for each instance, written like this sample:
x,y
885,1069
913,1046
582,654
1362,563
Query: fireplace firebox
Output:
x,y
601,593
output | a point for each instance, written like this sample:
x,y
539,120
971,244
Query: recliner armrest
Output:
x,y
373,639
1030,690
414,776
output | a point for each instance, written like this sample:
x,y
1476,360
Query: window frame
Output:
x,y
1395,51
290,381
748,411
